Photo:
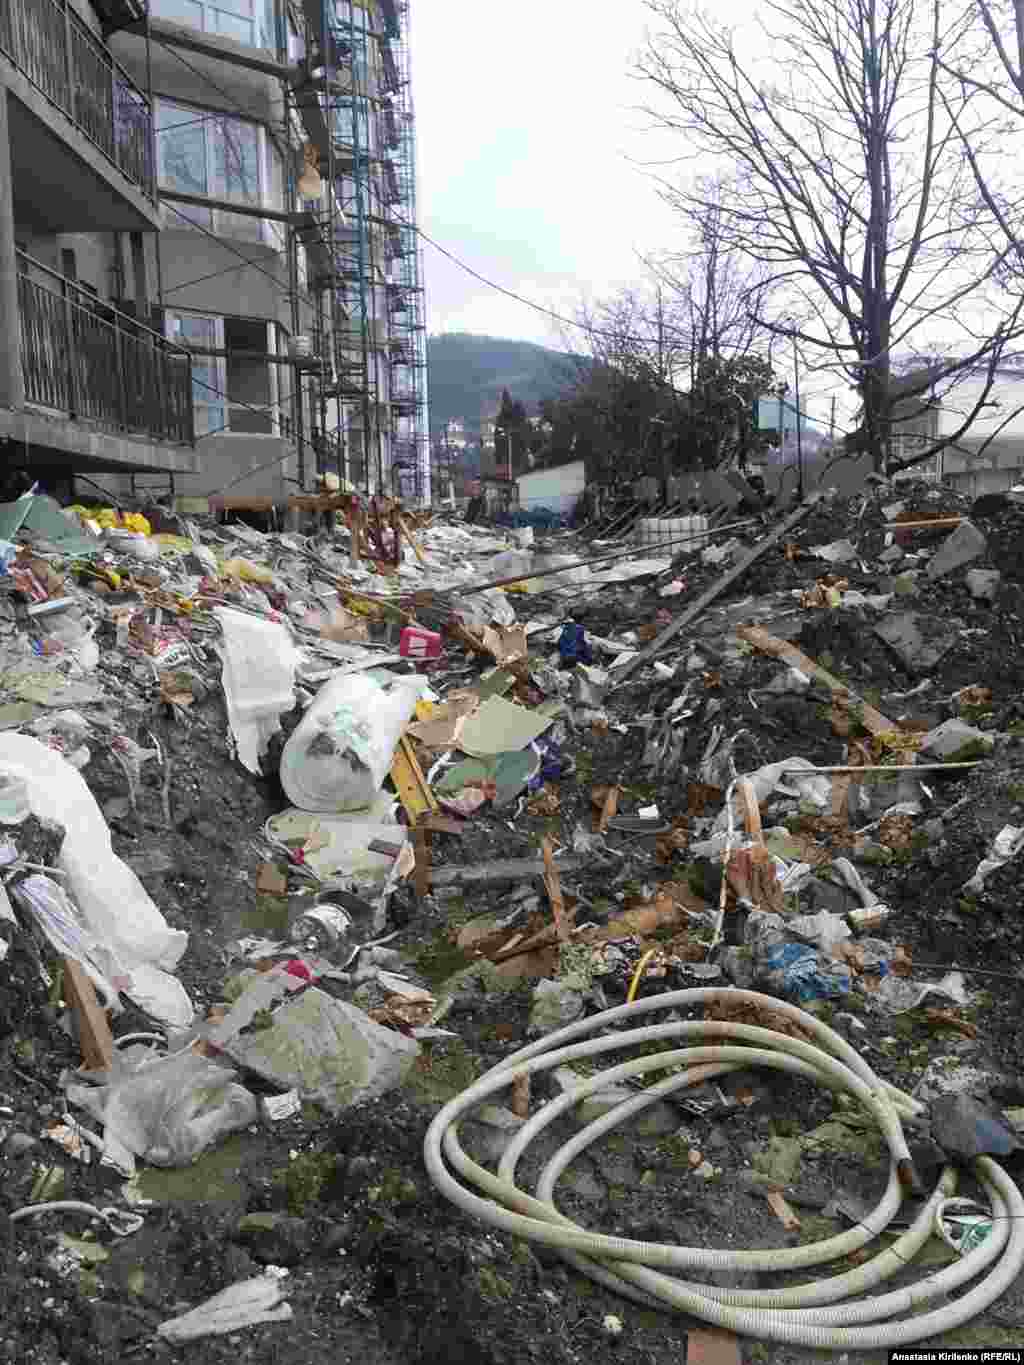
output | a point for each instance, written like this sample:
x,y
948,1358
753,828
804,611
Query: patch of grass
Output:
x,y
1015,791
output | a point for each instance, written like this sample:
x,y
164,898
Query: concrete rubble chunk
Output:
x,y
839,552
919,641
983,584
555,1004
951,736
966,544
328,1050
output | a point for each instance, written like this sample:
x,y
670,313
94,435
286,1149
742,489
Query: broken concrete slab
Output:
x,y
966,544
555,1004
983,584
919,641
328,1050
839,552
951,737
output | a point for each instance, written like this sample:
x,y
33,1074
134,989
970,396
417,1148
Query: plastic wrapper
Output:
x,y
339,756
114,905
170,1110
259,680
791,970
58,920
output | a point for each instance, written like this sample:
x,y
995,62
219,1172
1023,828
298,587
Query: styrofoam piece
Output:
x,y
687,533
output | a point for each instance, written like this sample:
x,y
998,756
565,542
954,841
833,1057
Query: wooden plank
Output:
x,y
94,1036
751,810
782,649
716,589
416,797
410,538
553,884
937,524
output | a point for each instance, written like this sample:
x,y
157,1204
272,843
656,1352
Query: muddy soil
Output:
x,y
381,1269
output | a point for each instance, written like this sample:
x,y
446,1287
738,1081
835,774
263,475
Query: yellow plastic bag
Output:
x,y
246,571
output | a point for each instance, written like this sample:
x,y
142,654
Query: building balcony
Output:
x,y
74,71
92,363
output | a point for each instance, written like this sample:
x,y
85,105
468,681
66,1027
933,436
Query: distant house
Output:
x,y
1000,422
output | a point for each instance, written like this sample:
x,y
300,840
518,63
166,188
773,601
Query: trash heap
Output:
x,y
774,769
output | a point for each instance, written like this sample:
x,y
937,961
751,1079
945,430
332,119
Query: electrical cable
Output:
x,y
829,1313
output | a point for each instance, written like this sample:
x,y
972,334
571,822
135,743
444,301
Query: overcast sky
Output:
x,y
537,167
526,132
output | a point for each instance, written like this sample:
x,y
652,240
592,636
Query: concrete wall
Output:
x,y
558,489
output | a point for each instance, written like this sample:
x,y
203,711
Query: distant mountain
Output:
x,y
466,374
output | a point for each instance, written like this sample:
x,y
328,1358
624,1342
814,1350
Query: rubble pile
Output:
x,y
301,833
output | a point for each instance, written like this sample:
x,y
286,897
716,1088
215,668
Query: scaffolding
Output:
x,y
365,267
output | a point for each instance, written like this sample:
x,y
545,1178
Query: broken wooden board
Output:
x,y
416,797
782,649
94,1036
716,589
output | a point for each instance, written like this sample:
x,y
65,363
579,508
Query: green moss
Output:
x,y
393,1188
968,905
440,959
491,1285
974,748
305,1178
440,1075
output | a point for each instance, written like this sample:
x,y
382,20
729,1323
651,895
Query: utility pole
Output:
x,y
799,437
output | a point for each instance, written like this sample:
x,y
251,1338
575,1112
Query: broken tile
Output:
x,y
920,641
965,545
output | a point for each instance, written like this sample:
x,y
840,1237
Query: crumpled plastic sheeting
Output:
x,y
259,680
814,787
58,919
114,904
1006,845
245,1304
167,1110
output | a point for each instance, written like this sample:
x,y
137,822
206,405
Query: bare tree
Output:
x,y
848,185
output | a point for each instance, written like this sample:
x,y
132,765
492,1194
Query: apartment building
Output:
x,y
272,253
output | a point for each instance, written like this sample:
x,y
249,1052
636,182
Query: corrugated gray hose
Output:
x,y
820,1314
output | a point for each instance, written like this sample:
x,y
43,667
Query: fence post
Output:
x,y
120,378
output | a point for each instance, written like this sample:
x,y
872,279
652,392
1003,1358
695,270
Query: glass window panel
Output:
x,y
236,26
181,157
178,11
236,155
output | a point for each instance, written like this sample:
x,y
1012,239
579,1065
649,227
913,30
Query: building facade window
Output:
x,y
207,153
235,386
246,21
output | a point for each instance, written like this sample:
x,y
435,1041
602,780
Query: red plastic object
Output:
x,y
417,643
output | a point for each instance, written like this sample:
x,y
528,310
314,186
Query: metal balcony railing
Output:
x,y
93,362
51,46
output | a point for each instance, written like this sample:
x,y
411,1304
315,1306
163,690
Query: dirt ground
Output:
x,y
382,1270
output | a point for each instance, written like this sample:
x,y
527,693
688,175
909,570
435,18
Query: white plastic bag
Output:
x,y
259,680
338,758
171,1109
113,903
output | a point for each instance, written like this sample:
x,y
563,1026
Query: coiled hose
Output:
x,y
819,1314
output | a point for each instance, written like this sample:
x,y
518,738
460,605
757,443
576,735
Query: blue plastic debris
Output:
x,y
573,646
